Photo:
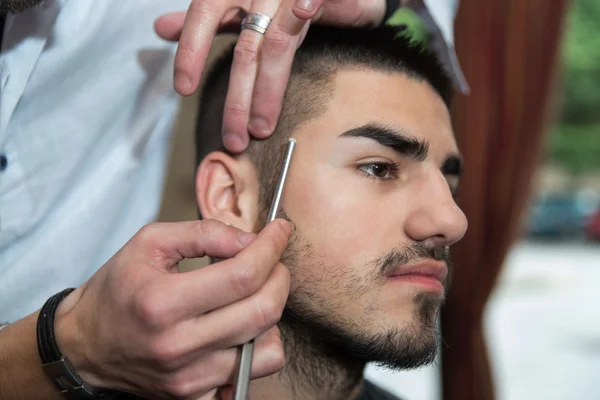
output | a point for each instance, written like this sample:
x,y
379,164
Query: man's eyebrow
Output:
x,y
452,166
400,141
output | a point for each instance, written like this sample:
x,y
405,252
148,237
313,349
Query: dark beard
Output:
x,y
327,353
16,6
324,357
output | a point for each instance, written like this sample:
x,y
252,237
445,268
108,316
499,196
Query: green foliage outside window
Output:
x,y
575,138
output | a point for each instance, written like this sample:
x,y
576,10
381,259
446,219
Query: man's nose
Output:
x,y
436,218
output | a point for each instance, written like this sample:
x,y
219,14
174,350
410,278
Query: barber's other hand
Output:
x,y
138,325
261,66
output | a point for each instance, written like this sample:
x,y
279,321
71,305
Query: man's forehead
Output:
x,y
366,89
366,96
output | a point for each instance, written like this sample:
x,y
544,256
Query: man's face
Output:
x,y
370,195
16,6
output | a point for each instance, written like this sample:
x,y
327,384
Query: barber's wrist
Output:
x,y
70,341
20,374
56,364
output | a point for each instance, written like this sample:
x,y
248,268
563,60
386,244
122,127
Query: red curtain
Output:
x,y
508,50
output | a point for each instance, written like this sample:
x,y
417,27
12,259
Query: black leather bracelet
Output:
x,y
57,367
46,340
390,8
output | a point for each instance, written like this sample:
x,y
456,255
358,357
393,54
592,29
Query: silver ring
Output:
x,y
257,22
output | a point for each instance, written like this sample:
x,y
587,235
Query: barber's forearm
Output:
x,y
21,374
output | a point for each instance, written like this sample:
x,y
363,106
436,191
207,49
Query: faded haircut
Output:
x,y
324,51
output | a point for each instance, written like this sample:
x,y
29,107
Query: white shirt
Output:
x,y
86,108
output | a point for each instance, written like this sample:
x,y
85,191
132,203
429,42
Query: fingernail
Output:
x,y
285,225
183,83
260,126
305,4
246,238
233,142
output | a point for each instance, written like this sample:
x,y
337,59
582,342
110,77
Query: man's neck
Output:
x,y
313,371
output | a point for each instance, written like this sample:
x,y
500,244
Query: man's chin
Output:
x,y
396,349
427,307
408,345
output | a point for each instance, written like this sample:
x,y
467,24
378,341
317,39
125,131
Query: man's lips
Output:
x,y
426,269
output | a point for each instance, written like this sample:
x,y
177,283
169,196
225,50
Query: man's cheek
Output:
x,y
339,219
345,241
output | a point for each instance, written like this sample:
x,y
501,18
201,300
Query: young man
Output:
x,y
369,195
86,107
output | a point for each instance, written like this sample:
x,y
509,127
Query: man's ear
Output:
x,y
227,190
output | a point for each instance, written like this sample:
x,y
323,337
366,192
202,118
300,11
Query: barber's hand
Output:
x,y
261,66
138,325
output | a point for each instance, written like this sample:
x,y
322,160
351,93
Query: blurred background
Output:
x,y
522,321
542,321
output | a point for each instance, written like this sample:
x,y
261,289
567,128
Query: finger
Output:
x,y
306,9
351,13
199,29
244,320
226,327
268,357
218,368
217,285
241,82
276,57
165,244
170,26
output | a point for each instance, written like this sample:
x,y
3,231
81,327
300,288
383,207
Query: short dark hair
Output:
x,y
324,51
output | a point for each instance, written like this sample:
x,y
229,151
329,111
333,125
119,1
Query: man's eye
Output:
x,y
380,170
